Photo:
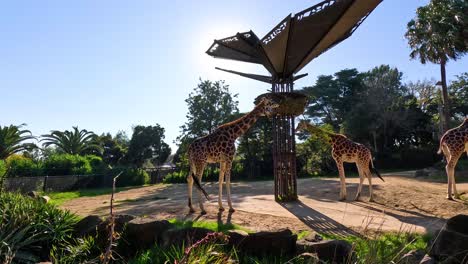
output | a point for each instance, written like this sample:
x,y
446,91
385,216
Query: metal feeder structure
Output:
x,y
284,51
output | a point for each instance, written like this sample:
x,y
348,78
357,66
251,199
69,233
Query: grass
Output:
x,y
58,198
211,225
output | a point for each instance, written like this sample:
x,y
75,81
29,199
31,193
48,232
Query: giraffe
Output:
x,y
219,147
452,144
345,150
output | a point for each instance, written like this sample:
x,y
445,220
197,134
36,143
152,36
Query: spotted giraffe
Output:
x,y
453,144
219,147
345,150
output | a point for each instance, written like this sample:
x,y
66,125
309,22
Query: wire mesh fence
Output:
x,y
57,183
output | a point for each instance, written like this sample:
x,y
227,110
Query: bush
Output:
x,y
176,177
66,164
29,228
97,164
22,166
3,168
130,177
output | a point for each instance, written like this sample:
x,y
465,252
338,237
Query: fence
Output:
x,y
57,183
157,174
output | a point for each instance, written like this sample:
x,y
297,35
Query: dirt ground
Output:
x,y
402,203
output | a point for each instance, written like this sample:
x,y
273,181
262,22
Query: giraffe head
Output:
x,y
302,126
267,107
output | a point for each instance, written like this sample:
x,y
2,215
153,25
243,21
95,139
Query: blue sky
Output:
x,y
108,65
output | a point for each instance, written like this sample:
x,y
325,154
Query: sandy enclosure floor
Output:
x,y
401,203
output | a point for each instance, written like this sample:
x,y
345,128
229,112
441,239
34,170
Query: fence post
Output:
x,y
45,184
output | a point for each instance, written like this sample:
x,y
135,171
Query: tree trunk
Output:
x,y
445,97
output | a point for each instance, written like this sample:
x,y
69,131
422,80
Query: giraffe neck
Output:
x,y
238,127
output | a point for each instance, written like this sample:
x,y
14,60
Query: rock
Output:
x,y
87,226
329,251
266,243
141,234
33,194
120,222
427,260
236,236
186,236
451,244
44,199
412,257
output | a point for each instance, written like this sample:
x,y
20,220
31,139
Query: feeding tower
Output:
x,y
284,51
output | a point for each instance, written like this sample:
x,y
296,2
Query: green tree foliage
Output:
x,y
67,164
21,166
384,114
147,144
12,140
458,92
438,34
73,142
333,96
254,151
209,105
114,149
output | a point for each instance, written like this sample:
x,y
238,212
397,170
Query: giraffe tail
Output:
x,y
198,185
374,170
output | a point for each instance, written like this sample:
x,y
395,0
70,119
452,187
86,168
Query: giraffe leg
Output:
x,y
369,177
199,174
227,174
452,189
190,185
222,169
339,164
361,180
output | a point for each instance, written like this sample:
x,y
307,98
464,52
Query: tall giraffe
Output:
x,y
453,143
219,147
345,150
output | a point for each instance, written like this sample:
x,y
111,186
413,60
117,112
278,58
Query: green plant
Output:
x,y
21,166
73,142
214,226
29,228
11,140
66,164
131,176
81,250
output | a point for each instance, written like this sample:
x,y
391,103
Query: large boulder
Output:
x,y
265,243
141,234
183,236
329,251
451,244
120,222
87,226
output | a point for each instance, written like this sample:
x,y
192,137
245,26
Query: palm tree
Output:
x,y
437,35
11,140
72,142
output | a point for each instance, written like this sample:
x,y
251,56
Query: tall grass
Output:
x,y
29,228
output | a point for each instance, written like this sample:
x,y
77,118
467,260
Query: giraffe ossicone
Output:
x,y
453,144
345,150
219,147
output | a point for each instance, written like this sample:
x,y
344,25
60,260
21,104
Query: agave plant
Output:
x,y
12,140
72,142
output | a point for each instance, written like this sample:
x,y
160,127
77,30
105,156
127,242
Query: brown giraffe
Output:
x,y
453,144
345,150
219,147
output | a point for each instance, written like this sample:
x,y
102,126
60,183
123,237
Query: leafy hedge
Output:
x,y
130,177
29,229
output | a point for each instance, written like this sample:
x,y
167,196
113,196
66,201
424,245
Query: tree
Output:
x,y
113,148
458,92
12,140
73,142
209,105
147,144
332,97
437,34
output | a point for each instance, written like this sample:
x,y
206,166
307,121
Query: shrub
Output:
x,y
97,164
29,228
130,177
66,164
22,166
3,168
176,177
